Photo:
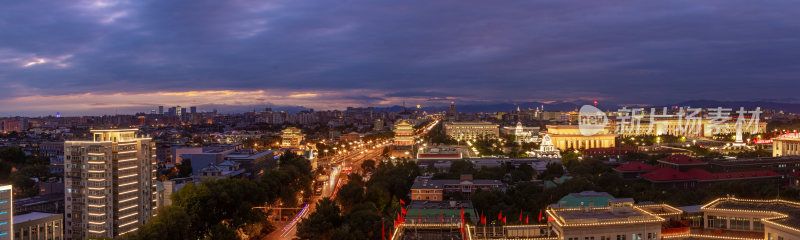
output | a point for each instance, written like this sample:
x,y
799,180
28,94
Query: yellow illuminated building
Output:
x,y
471,130
403,133
785,146
291,137
565,137
693,128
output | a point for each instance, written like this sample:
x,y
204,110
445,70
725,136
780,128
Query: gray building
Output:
x,y
39,226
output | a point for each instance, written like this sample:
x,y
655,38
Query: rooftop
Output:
x,y
428,183
32,216
704,175
667,174
670,174
600,216
680,159
635,167
787,213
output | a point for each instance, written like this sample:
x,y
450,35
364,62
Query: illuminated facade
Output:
x,y
777,219
110,184
785,146
696,128
471,130
6,211
569,136
522,134
291,137
403,133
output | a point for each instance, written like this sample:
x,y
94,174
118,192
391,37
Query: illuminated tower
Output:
x,y
403,133
451,113
109,184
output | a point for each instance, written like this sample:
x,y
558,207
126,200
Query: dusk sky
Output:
x,y
95,57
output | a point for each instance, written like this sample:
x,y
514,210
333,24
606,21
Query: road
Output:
x,y
342,164
347,161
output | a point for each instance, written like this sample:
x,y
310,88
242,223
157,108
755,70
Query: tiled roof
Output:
x,y
635,167
670,174
666,174
704,175
680,159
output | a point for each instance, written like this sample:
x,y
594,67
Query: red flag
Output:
x,y
500,216
526,219
419,216
520,215
404,211
504,220
482,220
540,215
441,215
402,202
383,230
462,219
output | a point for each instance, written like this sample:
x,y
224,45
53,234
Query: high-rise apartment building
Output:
x,y
110,184
6,212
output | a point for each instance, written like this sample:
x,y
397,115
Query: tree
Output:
x,y
319,223
13,155
185,168
368,165
292,176
553,170
214,201
350,194
171,223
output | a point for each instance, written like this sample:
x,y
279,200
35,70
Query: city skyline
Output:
x,y
104,57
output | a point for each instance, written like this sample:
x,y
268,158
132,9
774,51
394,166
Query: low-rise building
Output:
x,y
585,199
633,170
667,177
786,145
620,220
681,162
427,189
522,134
768,219
39,226
462,131
570,137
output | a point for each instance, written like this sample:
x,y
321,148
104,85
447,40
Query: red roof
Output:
x,y
680,159
704,175
666,174
635,167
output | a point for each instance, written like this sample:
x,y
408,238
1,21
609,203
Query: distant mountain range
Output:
x,y
553,106
569,106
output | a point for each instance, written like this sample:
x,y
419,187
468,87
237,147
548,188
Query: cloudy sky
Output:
x,y
91,57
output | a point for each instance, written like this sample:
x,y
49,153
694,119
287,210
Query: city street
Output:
x,y
343,164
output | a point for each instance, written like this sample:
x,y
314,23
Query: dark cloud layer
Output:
x,y
621,51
